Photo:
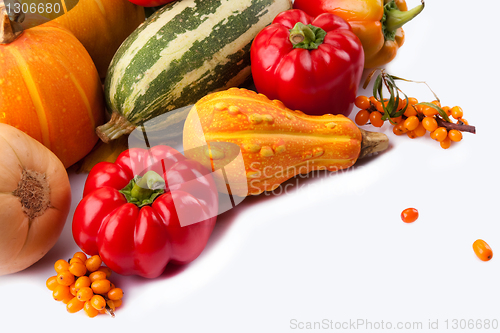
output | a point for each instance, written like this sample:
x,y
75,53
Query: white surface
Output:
x,y
334,247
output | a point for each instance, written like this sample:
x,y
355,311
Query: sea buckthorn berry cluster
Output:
x,y
82,283
416,120
407,115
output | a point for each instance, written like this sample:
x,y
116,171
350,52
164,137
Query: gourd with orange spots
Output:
x,y
49,88
276,143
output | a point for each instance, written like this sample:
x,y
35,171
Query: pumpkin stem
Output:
x,y
114,128
373,142
10,27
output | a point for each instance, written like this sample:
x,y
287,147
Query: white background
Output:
x,y
334,247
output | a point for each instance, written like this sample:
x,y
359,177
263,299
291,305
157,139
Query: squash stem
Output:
x,y
372,142
115,128
10,23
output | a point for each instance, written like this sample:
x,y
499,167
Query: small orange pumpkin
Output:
x,y
49,88
101,26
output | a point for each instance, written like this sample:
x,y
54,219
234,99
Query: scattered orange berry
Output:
x,y
409,215
410,111
72,289
420,130
482,249
105,270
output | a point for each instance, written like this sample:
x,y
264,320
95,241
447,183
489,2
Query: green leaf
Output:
x,y
442,113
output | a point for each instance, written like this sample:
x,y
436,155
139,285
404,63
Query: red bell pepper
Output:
x,y
139,221
311,64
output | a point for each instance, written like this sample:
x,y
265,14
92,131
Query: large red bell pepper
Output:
x,y
137,220
311,64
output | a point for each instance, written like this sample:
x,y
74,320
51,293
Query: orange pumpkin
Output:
x,y
101,26
49,88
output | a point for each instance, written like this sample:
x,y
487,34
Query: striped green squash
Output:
x,y
184,51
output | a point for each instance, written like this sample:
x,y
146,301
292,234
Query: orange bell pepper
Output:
x,y
377,23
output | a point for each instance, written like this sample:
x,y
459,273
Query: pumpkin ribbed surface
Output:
x,y
50,89
276,143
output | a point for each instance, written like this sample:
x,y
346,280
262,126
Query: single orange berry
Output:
x,y
61,292
397,120
482,249
90,310
93,263
457,112
52,283
447,110
362,102
412,100
372,100
72,289
430,124
420,130
113,285
411,134
446,143
80,255
455,135
74,305
85,294
82,282
401,104
465,122
65,278
78,268
429,111
73,260
61,265
115,294
97,275
437,103
106,270
376,119
68,299
440,134
98,302
409,215
111,304
362,117
399,129
118,302
101,286
378,106
410,111
411,123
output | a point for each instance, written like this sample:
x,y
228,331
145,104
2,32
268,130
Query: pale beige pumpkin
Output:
x,y
35,198
101,26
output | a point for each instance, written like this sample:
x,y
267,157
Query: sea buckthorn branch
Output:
x,y
461,126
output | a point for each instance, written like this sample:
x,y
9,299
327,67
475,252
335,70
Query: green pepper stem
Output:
x,y
306,37
146,185
395,18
